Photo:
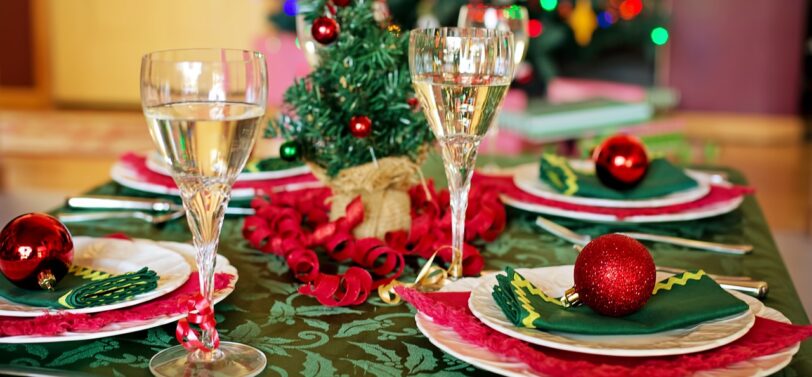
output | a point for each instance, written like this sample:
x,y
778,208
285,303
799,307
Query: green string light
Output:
x,y
659,36
549,5
512,12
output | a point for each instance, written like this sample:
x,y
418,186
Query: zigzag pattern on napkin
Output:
x,y
520,284
570,184
678,280
88,273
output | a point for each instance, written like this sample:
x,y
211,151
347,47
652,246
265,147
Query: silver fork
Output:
x,y
91,216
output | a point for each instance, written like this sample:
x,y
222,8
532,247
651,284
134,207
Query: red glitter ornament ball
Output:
x,y
324,30
360,126
342,3
36,251
621,161
614,275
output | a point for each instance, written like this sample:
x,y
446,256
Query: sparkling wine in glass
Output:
x,y
461,76
513,18
204,108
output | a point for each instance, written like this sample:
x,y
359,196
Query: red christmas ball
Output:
x,y
342,3
36,251
324,30
614,275
621,161
413,102
360,126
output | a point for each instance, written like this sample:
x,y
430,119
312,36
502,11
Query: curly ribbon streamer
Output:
x,y
430,278
295,224
200,313
352,288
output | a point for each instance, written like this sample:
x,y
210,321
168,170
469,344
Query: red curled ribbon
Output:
x,y
352,288
200,313
295,224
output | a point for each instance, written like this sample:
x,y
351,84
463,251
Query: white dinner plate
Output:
x,y
156,164
187,253
555,280
128,177
715,209
526,178
450,342
116,257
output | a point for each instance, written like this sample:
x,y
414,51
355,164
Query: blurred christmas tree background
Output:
x,y
616,41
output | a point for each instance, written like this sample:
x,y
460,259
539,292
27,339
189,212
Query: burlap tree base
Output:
x,y
383,187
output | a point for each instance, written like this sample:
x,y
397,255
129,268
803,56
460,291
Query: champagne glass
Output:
x,y
513,18
460,76
204,108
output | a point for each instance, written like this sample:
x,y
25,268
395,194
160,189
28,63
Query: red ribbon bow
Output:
x,y
201,313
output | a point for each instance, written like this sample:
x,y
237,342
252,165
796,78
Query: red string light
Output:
x,y
534,28
630,9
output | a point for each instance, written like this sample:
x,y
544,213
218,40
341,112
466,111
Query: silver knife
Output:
x,y
703,245
133,203
583,239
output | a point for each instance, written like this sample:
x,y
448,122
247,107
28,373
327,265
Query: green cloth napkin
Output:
x,y
678,302
271,164
82,288
662,178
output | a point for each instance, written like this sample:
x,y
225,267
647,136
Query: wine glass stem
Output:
x,y
205,210
205,264
459,165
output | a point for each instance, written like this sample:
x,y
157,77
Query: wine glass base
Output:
x,y
232,359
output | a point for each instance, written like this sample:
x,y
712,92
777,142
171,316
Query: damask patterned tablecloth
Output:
x,y
301,337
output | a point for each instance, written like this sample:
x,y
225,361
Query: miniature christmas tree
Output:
x,y
354,118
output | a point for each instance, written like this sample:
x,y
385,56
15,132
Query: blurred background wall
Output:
x,y
738,56
723,55
86,53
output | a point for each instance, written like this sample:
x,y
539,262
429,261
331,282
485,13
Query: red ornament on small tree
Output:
x,y
614,275
36,251
621,161
360,126
342,3
324,30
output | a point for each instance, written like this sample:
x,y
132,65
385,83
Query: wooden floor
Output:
x,y
45,156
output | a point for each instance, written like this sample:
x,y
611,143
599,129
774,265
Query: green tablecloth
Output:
x,y
300,337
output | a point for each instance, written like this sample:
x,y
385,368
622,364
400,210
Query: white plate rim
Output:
x,y
126,176
526,178
715,209
156,165
548,339
167,287
223,265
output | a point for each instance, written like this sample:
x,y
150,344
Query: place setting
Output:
x,y
80,288
611,313
621,183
